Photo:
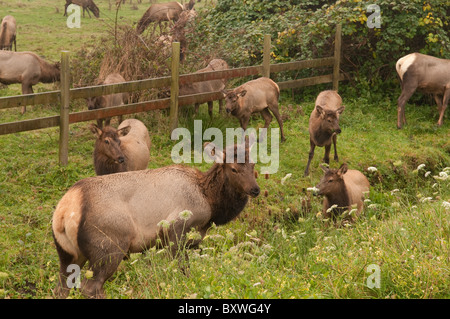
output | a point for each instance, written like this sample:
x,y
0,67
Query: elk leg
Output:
x,y
310,156
220,106
336,157
26,89
210,109
326,157
407,92
444,105
62,290
276,112
267,117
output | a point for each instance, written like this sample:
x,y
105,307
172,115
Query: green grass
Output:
x,y
278,247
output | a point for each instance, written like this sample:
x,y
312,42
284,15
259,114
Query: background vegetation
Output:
x,y
280,247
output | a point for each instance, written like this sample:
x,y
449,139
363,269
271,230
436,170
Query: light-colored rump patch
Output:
x,y
404,63
66,220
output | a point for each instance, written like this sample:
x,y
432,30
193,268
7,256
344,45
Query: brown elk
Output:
x,y
87,5
344,188
159,12
324,125
427,74
8,33
28,69
260,95
110,100
101,219
124,149
207,86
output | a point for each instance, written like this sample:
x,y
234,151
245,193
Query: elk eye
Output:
x,y
330,181
234,170
106,141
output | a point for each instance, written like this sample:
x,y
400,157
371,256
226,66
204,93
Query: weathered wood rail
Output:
x,y
66,94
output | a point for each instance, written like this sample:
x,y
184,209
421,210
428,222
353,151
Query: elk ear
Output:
x,y
342,170
213,152
324,168
320,110
224,92
124,130
96,130
341,109
242,93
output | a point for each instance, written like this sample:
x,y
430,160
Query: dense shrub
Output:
x,y
305,29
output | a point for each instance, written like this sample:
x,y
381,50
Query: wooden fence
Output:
x,y
65,94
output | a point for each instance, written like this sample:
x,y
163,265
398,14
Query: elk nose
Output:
x,y
254,191
338,131
121,159
228,110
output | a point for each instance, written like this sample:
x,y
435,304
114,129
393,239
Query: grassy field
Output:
x,y
278,247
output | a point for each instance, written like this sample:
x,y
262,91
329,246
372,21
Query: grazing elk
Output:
x,y
159,12
110,100
87,5
343,188
124,149
207,86
427,74
8,33
260,95
101,219
28,69
324,125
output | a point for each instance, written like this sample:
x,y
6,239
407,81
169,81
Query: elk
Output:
x,y
260,95
159,12
207,86
343,188
110,100
28,69
124,149
324,125
427,74
102,219
87,5
8,33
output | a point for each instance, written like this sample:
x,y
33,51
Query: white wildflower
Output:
x,y
426,199
331,208
372,169
285,178
442,176
164,224
367,200
185,214
427,173
372,206
312,189
394,191
446,205
420,167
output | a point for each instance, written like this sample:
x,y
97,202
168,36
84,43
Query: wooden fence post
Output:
x,y
337,57
266,56
174,87
64,110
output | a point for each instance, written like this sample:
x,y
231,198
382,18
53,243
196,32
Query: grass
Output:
x,y
278,247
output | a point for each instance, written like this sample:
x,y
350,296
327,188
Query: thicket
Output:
x,y
234,29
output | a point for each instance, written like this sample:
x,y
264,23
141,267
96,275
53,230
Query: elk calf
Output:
x,y
260,95
121,150
110,100
8,33
429,75
324,125
344,188
101,219
207,86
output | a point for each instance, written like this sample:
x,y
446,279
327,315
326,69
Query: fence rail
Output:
x,y
65,94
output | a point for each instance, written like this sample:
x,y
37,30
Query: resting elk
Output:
x,y
102,219
8,33
28,69
427,74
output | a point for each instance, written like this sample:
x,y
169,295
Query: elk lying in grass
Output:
x,y
87,5
110,100
28,69
427,74
159,12
8,33
101,219
207,86
342,189
324,125
260,95
124,149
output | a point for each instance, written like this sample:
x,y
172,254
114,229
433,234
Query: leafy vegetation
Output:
x,y
280,246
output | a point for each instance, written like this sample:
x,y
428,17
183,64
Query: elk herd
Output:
x,y
104,218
